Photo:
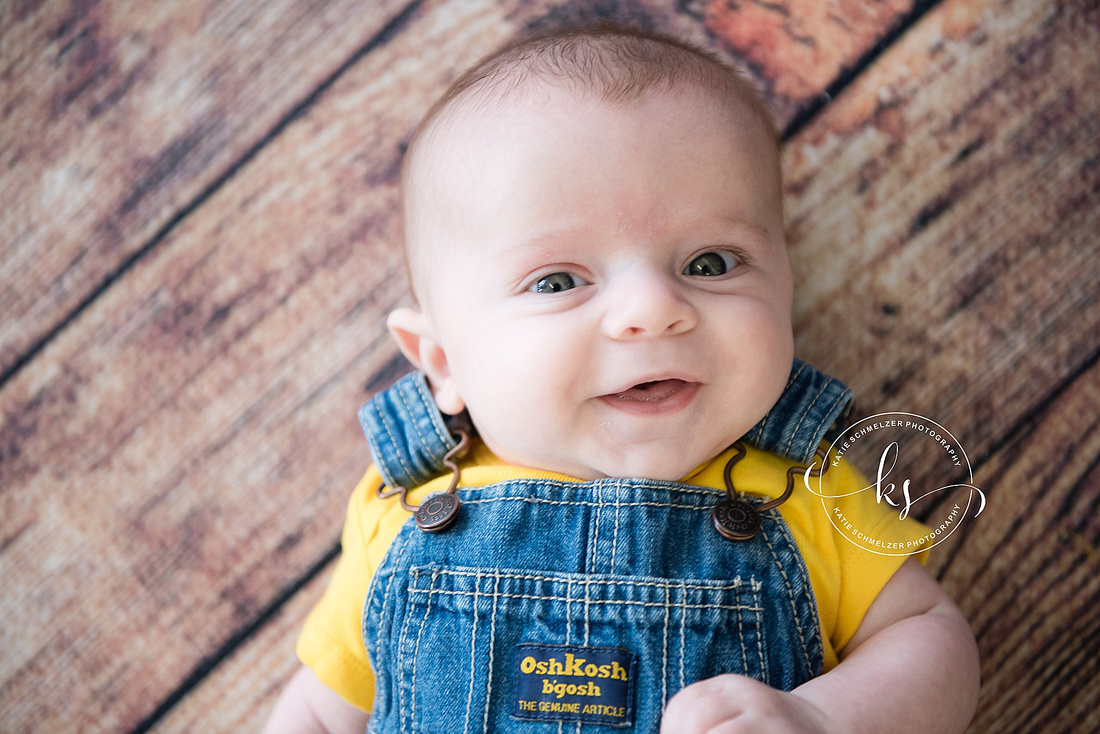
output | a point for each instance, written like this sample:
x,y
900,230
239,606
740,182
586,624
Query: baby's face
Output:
x,y
609,291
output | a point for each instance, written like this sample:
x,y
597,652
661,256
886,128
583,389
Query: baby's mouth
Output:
x,y
650,392
658,397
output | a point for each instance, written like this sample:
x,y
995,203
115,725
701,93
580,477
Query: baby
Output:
x,y
594,233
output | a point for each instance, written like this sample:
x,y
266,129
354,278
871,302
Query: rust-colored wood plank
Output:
x,y
798,48
116,115
172,461
1027,571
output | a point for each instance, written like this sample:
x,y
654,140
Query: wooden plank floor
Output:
x,y
198,247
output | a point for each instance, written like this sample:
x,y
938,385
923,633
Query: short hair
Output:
x,y
609,63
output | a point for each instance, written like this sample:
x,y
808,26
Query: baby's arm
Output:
x,y
911,666
309,706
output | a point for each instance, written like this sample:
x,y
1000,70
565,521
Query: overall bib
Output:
x,y
580,606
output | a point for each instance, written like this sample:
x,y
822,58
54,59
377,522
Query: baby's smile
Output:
x,y
654,397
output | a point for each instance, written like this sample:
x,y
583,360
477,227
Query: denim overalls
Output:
x,y
576,606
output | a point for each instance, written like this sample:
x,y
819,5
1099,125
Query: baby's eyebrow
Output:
x,y
536,247
736,223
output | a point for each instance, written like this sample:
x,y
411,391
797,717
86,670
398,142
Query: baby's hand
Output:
x,y
735,704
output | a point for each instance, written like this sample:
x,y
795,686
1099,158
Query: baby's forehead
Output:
x,y
468,128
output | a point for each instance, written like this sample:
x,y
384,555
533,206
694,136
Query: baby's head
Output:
x,y
594,233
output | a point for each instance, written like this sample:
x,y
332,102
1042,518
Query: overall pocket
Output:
x,y
493,649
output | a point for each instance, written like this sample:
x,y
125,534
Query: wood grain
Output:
x,y
1027,571
170,462
943,232
181,454
798,48
943,218
240,693
117,116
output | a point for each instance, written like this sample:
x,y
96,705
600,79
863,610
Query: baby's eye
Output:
x,y
556,282
711,264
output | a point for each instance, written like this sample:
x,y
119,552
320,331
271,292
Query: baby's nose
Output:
x,y
644,307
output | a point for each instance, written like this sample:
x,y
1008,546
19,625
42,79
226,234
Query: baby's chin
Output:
x,y
670,466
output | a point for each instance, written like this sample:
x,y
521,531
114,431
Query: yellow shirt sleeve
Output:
x,y
846,575
331,642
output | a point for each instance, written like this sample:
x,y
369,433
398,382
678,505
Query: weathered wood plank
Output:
x,y
1027,571
170,463
944,214
115,115
943,230
798,48
240,693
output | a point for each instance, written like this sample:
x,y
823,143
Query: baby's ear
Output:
x,y
415,336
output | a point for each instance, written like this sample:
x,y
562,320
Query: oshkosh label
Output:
x,y
594,685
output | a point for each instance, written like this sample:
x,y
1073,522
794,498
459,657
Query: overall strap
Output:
x,y
407,435
409,438
810,405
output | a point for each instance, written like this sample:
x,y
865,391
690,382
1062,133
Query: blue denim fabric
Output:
x,y
615,567
628,569
615,563
407,435
809,406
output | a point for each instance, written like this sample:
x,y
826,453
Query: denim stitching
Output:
x,y
615,539
587,601
367,605
593,564
760,649
568,609
416,651
741,638
473,657
766,424
599,484
568,628
683,622
790,597
821,427
492,649
809,597
401,655
806,412
664,654
397,553
540,501
393,452
623,602
736,583
430,401
412,421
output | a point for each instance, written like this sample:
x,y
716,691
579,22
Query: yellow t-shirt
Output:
x,y
845,578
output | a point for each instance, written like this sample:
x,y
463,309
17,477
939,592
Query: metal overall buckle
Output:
x,y
736,518
438,512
